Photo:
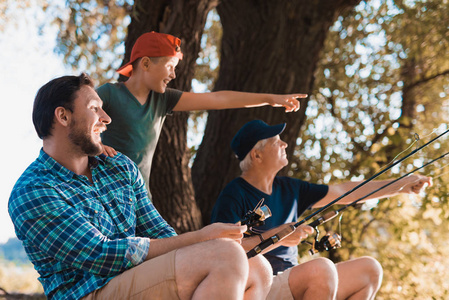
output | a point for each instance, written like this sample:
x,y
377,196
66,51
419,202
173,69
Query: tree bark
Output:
x,y
267,46
170,180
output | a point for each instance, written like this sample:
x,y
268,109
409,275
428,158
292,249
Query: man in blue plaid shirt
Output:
x,y
90,229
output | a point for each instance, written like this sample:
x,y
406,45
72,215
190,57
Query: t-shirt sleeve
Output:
x,y
172,98
310,193
228,208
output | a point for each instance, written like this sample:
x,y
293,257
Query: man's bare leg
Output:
x,y
359,278
216,269
315,279
259,279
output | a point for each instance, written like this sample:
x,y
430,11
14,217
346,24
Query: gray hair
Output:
x,y
247,162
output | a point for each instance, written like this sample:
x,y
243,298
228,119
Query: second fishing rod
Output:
x,y
285,232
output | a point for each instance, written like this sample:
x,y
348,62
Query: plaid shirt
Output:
x,y
78,234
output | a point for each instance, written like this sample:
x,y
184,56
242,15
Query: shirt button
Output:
x,y
126,229
110,204
130,199
96,211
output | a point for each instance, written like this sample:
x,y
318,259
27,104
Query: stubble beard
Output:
x,y
84,141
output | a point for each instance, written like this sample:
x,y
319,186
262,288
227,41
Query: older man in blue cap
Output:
x,y
262,155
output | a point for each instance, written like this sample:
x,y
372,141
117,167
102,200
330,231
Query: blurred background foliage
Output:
x,y
381,90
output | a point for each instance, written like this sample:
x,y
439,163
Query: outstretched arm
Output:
x,y
232,99
412,184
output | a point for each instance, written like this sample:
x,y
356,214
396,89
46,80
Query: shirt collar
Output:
x,y
51,164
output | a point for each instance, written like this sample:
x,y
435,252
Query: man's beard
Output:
x,y
84,141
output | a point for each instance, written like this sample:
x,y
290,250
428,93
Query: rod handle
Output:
x,y
270,241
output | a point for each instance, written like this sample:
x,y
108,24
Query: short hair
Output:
x,y
59,92
135,64
247,162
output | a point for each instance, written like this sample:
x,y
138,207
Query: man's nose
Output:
x,y
105,118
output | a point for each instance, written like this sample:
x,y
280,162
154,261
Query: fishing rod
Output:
x,y
333,241
286,231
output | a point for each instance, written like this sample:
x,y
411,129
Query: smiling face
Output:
x,y
88,121
159,72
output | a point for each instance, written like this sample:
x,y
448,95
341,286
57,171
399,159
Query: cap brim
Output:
x,y
274,130
126,70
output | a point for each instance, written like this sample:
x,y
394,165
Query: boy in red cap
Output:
x,y
139,105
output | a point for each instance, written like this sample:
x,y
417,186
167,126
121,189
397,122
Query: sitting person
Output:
x,y
91,231
262,155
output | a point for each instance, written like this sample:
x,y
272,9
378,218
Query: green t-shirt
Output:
x,y
135,128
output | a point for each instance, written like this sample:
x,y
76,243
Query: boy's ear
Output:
x,y
145,62
62,116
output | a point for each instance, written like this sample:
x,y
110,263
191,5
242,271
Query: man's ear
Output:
x,y
255,155
62,116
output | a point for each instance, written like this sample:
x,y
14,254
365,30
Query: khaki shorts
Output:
x,y
280,289
153,279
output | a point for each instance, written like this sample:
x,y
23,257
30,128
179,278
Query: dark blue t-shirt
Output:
x,y
290,197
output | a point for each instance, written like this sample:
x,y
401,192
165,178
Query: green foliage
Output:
x,y
92,34
382,90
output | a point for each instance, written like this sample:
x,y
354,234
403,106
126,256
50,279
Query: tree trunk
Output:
x,y
278,57
267,46
409,76
171,183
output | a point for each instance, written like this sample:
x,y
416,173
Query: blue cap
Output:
x,y
252,132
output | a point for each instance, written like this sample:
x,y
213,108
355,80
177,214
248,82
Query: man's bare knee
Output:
x,y
373,271
211,267
323,268
260,273
315,277
219,253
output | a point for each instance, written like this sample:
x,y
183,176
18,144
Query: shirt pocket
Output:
x,y
122,205
92,211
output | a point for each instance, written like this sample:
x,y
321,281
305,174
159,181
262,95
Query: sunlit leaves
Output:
x,y
92,34
382,88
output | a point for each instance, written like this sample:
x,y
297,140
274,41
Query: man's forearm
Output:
x,y
165,245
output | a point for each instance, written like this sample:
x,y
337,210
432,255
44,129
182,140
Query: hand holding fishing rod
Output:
x,y
288,230
332,214
262,155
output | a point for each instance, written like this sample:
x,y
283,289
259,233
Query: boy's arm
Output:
x,y
231,99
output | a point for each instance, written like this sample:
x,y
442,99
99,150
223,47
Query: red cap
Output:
x,y
152,44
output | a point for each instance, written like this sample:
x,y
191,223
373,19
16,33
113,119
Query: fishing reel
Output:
x,y
326,243
330,240
256,217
